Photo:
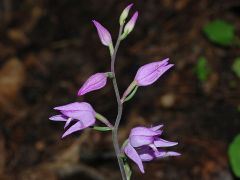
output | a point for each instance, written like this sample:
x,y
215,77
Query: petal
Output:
x,y
163,154
103,34
88,121
59,117
158,142
155,128
80,115
133,155
94,82
149,73
68,122
143,131
137,141
83,106
76,127
146,157
146,153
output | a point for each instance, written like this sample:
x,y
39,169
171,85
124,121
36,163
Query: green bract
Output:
x,y
100,128
220,32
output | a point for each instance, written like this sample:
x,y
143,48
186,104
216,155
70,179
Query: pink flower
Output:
x,y
82,114
94,82
149,73
144,144
103,34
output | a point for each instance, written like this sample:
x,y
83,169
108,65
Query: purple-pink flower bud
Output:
x,y
94,82
103,34
144,144
130,25
124,14
149,73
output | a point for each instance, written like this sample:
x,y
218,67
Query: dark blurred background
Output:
x,y
48,48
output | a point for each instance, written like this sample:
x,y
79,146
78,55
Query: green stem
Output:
x,y
120,107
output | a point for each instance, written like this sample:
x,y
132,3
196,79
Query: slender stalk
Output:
x,y
103,120
120,107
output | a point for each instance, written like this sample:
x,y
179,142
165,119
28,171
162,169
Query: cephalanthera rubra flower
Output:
x,y
146,75
103,34
149,73
94,82
82,114
144,144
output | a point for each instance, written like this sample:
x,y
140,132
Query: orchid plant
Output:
x,y
143,144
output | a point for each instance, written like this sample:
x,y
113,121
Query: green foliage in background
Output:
x,y
236,66
220,32
234,155
202,69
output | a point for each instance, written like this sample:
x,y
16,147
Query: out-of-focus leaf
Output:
x,y
234,155
220,32
236,66
202,69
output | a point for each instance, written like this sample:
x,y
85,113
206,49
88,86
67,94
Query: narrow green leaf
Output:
x,y
128,170
100,128
220,32
234,155
236,66
130,96
202,69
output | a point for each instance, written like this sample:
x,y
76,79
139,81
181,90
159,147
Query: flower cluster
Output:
x,y
143,144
